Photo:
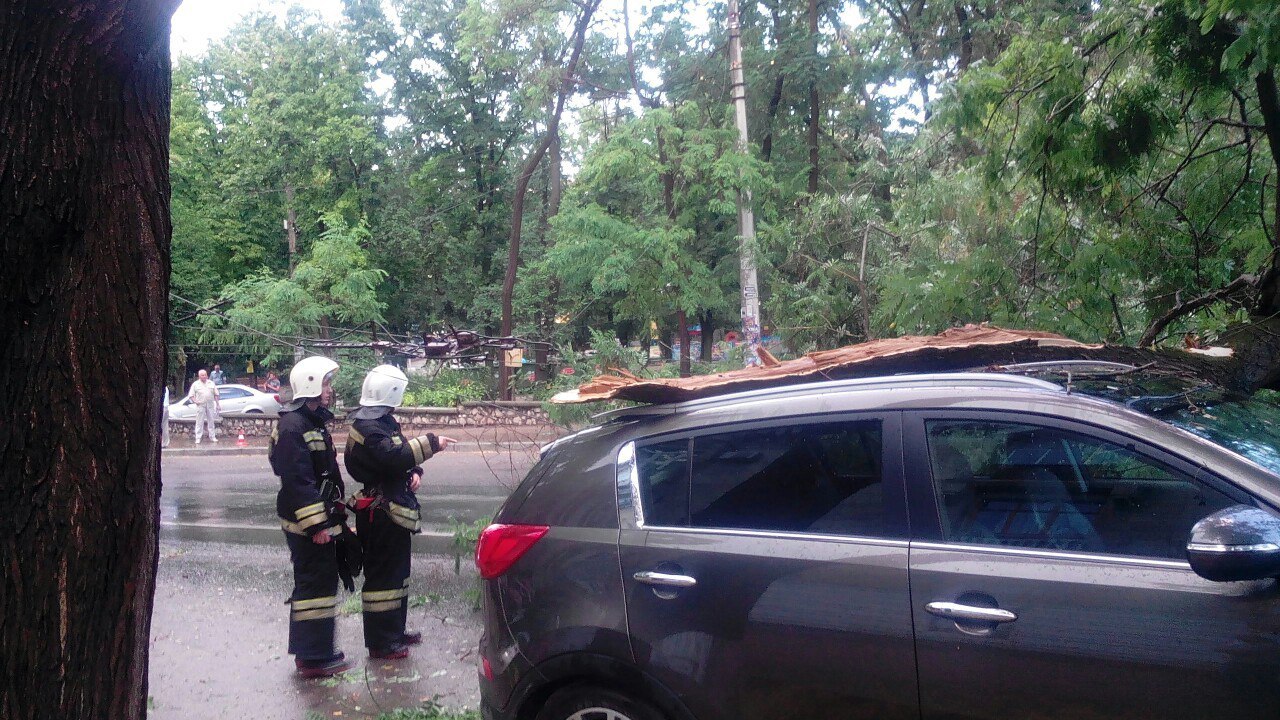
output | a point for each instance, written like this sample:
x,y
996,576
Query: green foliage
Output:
x,y
465,537
334,286
1066,166
431,710
350,606
448,388
354,365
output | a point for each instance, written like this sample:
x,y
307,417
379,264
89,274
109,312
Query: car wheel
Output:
x,y
582,702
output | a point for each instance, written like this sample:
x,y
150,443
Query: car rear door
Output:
x,y
1049,578
765,568
232,399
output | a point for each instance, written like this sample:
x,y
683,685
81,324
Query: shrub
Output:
x,y
447,388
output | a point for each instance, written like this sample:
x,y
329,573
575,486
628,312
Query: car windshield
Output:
x,y
1247,425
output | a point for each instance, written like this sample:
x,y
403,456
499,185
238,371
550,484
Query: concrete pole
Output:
x,y
746,217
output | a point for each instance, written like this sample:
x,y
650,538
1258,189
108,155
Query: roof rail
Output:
x,y
1080,367
969,379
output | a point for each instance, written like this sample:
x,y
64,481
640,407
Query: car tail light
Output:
x,y
501,545
277,397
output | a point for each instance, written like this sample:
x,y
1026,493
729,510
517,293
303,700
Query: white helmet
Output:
x,y
383,386
308,376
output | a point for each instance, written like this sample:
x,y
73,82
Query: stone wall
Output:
x,y
414,420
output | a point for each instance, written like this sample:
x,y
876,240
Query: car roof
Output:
x,y
238,385
952,392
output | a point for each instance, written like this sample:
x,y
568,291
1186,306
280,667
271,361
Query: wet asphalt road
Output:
x,y
231,498
219,629
219,638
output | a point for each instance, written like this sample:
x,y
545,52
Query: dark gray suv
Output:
x,y
930,546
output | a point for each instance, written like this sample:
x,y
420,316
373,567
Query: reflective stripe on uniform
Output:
x,y
297,529
407,518
315,440
312,520
353,434
320,608
397,440
379,595
420,454
321,614
402,511
406,523
313,603
382,606
303,513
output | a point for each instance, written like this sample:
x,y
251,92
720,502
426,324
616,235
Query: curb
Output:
x,y
428,542
232,450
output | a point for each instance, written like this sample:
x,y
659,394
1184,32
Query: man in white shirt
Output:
x,y
164,419
204,395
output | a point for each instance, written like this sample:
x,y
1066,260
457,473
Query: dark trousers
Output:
x,y
384,595
314,601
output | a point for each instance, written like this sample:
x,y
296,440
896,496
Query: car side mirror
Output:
x,y
1238,543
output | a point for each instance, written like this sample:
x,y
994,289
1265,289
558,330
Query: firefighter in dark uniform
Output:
x,y
388,465
312,515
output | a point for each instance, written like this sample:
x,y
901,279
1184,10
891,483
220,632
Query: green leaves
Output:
x,y
333,287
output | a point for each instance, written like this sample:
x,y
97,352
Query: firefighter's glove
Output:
x,y
350,558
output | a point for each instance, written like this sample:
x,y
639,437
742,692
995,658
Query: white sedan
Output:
x,y
235,399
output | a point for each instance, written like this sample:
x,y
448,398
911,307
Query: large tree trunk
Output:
x,y
567,84
682,323
84,223
708,336
815,106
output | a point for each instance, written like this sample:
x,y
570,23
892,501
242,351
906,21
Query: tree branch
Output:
x,y
1182,309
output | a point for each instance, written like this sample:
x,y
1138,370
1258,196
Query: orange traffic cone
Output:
x,y
240,441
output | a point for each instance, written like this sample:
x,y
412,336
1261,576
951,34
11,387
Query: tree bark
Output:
x,y
682,323
1269,286
85,231
568,82
708,335
815,107
291,224
966,38
766,144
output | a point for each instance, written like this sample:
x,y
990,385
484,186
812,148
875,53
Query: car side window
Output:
x,y
664,486
226,393
1031,486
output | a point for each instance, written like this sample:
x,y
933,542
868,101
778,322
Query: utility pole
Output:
x,y
291,226
746,217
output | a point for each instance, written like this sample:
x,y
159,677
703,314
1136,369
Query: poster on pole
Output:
x,y
513,358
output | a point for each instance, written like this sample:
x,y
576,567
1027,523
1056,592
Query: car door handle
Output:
x,y
648,577
956,611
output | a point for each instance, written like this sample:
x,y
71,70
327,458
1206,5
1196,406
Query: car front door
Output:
x,y
765,569
1051,580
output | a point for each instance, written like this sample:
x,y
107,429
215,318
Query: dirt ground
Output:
x,y
219,640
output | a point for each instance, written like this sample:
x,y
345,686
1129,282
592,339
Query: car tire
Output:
x,y
585,702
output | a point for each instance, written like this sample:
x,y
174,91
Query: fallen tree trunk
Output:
x,y
972,347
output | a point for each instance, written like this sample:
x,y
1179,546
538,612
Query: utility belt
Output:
x,y
371,500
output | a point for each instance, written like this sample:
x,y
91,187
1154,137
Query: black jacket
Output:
x,y
303,456
380,457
